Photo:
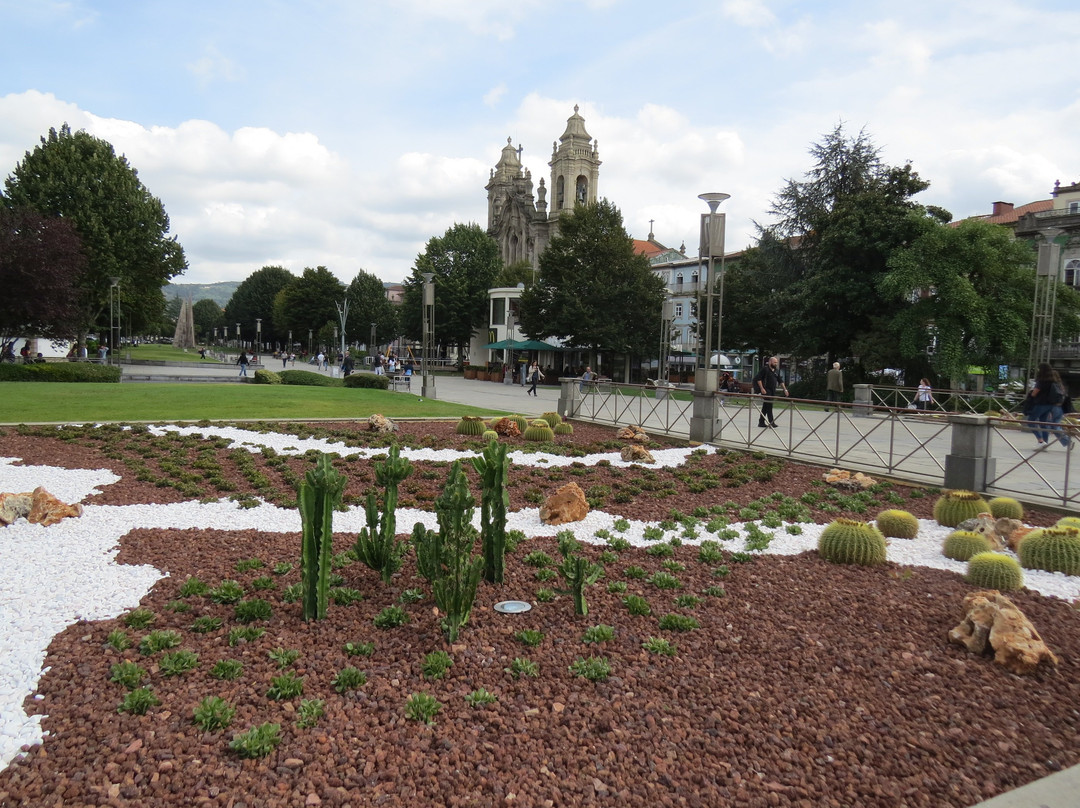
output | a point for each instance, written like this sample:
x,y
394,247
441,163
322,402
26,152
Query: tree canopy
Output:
x,y
123,228
254,299
592,289
368,305
465,262
307,303
207,315
41,262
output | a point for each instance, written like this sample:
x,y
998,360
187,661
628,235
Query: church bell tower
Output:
x,y
575,167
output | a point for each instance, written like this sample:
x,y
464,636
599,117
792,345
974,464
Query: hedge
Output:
x,y
60,372
367,380
264,376
308,379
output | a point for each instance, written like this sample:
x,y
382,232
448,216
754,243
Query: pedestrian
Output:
x,y
586,378
378,365
320,360
292,360
347,364
202,353
391,364
1045,404
284,359
242,361
924,395
834,383
534,376
766,383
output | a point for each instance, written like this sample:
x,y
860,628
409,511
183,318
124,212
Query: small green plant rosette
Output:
x,y
539,431
471,425
1008,508
961,545
953,507
1053,549
897,524
994,571
848,541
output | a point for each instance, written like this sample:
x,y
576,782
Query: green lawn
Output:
x,y
163,353
43,402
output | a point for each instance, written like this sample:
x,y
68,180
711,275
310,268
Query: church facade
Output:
x,y
521,221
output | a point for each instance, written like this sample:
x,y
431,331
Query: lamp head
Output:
x,y
713,200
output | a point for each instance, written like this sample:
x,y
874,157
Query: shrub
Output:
x,y
595,669
139,618
994,571
688,601
192,587
306,378
119,640
213,713
480,697
898,524
422,707
664,580
365,649
138,701
953,507
264,376
68,372
1006,507
847,541
961,545
159,641
530,637
634,572
258,741
1054,549
660,646
283,658
244,634
538,558
226,592
366,380
436,664
637,605
349,678
616,587
310,711
710,553
248,611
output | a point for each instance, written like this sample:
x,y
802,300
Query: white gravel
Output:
x,y
50,578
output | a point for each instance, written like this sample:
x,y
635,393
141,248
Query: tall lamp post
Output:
x,y
238,343
711,246
258,334
309,342
114,293
427,384
511,325
371,344
343,315
667,314
1047,275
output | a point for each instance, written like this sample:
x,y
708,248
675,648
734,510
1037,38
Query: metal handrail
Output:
x,y
960,400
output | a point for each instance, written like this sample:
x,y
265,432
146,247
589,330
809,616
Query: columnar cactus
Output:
x,y
319,497
848,541
1054,549
898,524
1006,507
493,466
961,545
953,507
994,571
377,545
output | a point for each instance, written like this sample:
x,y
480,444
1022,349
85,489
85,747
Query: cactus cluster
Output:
x,y
953,507
961,545
318,498
521,421
470,425
897,524
1006,507
848,541
553,418
539,430
1054,549
994,571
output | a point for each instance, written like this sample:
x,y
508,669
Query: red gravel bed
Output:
x,y
806,684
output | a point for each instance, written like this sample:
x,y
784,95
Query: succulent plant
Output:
x,y
470,425
953,507
1054,549
961,545
898,524
564,428
490,435
1068,521
521,421
553,418
848,541
994,571
539,430
1007,507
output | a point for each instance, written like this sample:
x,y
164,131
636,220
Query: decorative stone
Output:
x,y
565,505
845,479
986,525
381,424
633,433
14,506
48,510
993,624
506,428
633,453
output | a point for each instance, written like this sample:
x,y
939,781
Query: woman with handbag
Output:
x,y
1044,407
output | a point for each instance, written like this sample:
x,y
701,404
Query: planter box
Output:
x,y
470,373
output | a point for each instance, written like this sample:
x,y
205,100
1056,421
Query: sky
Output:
x,y
346,134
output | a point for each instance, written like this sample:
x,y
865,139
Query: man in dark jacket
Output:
x,y
766,383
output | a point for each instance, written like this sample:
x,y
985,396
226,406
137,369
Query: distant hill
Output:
x,y
218,292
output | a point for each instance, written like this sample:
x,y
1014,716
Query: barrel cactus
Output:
x,y
553,418
1069,521
961,545
471,425
848,541
564,428
994,571
898,524
490,435
953,507
1007,507
521,421
539,430
1054,549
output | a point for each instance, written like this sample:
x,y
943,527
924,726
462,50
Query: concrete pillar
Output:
x,y
703,417
569,396
968,465
863,405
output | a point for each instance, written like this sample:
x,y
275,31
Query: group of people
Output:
x,y
1045,405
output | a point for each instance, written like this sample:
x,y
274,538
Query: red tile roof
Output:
x,y
647,248
1005,213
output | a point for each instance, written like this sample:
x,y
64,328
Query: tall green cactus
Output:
x,y
377,545
576,571
493,466
445,556
320,495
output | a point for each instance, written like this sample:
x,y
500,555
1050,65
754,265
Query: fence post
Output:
x,y
703,417
863,405
569,397
968,465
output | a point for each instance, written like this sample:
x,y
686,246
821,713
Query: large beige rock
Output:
x,y
39,507
381,424
565,505
632,433
14,506
633,453
987,525
993,624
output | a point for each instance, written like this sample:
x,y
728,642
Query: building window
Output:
x,y
498,311
678,279
694,278
582,191
1072,272
1074,207
560,193
678,310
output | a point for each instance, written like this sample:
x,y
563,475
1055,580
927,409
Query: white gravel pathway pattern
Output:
x,y
50,578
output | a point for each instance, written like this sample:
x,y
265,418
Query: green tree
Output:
x,y
308,303
593,290
254,300
41,262
973,289
465,262
207,315
124,229
521,272
367,305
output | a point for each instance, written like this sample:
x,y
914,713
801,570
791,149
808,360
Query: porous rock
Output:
x,y
507,428
14,506
633,433
381,424
39,507
993,624
633,453
565,505
985,524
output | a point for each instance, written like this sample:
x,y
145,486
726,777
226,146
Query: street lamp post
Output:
x,y
114,293
343,316
508,369
427,383
258,334
238,343
711,246
1047,275
666,316
288,348
309,331
371,344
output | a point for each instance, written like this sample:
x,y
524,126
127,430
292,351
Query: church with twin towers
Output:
x,y
520,218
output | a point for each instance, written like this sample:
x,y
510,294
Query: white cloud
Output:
x,y
749,13
493,96
214,66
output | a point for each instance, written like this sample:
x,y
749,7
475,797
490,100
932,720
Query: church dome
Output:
x,y
575,128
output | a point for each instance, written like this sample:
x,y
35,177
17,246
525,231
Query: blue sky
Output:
x,y
348,133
